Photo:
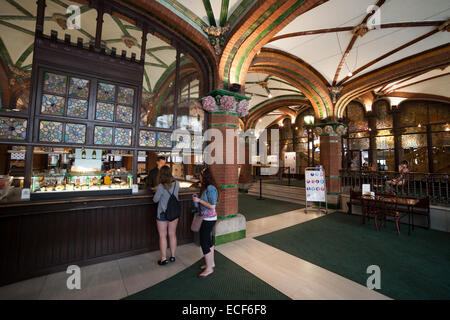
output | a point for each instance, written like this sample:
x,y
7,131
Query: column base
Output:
x,y
229,229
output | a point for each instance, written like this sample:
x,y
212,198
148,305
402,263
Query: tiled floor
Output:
x,y
109,280
295,277
117,279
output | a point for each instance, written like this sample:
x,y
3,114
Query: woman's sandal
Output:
x,y
204,267
172,259
163,262
206,275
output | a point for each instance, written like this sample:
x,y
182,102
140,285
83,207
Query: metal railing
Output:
x,y
416,184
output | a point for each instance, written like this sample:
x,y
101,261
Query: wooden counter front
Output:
x,y
46,236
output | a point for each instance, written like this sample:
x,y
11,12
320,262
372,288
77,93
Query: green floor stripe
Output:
x,y
253,209
229,237
228,282
412,267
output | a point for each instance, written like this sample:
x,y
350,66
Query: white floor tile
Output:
x,y
291,275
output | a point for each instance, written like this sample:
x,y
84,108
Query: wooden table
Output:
x,y
409,203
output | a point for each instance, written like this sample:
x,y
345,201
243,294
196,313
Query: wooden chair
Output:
x,y
390,209
355,199
423,208
370,208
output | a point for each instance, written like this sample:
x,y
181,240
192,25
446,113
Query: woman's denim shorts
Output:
x,y
162,217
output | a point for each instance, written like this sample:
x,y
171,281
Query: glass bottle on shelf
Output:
x,y
94,155
83,154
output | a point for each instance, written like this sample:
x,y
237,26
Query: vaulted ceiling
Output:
x,y
297,47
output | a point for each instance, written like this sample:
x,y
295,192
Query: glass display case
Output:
x,y
72,181
71,170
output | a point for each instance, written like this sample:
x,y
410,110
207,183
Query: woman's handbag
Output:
x,y
196,222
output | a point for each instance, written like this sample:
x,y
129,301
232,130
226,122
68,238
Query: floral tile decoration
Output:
x,y
75,133
103,135
50,131
79,88
164,139
147,138
104,111
106,92
122,137
124,114
77,108
125,95
53,105
13,128
55,83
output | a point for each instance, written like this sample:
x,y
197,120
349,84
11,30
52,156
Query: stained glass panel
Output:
x,y
13,128
103,135
124,114
79,88
104,111
164,139
106,92
75,133
358,122
384,119
413,113
125,95
386,142
50,131
122,137
77,108
414,141
55,83
358,144
147,138
53,105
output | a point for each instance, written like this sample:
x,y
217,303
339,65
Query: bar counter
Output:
x,y
39,237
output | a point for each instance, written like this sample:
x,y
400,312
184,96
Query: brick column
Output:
x,y
226,175
331,154
330,159
230,225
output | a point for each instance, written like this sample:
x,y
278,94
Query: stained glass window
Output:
x,y
106,92
164,140
55,83
103,135
50,131
386,142
358,122
124,114
358,144
77,108
75,133
122,137
125,95
79,88
384,119
414,141
413,113
53,105
104,111
147,138
13,128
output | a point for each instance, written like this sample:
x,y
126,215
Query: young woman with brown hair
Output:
x,y
167,186
208,201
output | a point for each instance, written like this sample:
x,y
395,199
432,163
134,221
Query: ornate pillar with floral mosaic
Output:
x,y
225,108
331,155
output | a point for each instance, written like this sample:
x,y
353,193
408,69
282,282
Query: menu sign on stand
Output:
x,y
315,186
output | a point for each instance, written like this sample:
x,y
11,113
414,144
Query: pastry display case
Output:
x,y
80,170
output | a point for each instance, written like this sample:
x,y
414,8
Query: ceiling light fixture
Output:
x,y
269,96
